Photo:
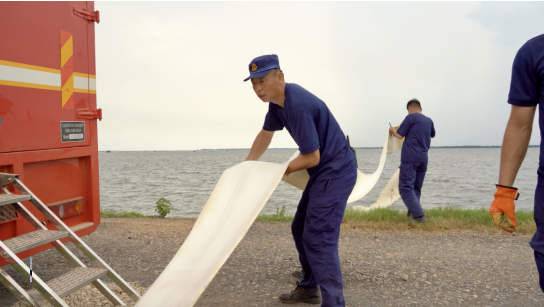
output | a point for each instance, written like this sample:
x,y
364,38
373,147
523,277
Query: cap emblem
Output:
x,y
253,67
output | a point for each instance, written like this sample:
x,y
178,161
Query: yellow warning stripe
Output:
x,y
78,74
82,90
67,90
45,69
66,52
30,85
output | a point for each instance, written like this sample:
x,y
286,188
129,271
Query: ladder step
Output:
x,y
8,199
74,280
34,239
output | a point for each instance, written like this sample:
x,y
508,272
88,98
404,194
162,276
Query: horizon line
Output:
x,y
287,148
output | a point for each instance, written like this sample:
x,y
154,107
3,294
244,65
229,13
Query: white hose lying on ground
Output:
x,y
239,196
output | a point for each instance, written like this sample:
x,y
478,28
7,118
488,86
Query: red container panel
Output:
x,y
47,73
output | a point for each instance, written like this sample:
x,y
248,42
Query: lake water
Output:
x,y
134,181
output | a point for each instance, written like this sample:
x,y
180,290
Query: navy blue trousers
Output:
x,y
411,179
537,242
539,259
316,229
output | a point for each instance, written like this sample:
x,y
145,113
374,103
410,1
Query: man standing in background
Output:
x,y
417,129
526,92
325,154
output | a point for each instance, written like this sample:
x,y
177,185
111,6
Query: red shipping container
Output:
x,y
48,111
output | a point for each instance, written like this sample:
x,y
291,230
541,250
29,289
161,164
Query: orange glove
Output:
x,y
502,208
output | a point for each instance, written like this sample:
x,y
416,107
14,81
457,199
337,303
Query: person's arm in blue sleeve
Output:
x,y
272,121
305,135
524,97
403,129
262,141
524,85
433,132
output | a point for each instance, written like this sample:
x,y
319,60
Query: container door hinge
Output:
x,y
87,15
89,114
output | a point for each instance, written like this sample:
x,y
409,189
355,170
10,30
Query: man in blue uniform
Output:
x,y
526,92
325,154
417,129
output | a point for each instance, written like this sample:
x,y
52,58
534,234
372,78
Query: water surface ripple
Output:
x,y
134,181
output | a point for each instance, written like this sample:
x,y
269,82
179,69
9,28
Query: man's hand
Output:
x,y
393,131
502,209
303,162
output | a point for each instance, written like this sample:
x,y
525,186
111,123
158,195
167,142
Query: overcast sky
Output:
x,y
169,74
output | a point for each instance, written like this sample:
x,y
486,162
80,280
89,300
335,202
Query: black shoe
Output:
x,y
301,295
414,220
298,275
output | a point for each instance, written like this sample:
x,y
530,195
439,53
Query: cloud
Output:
x,y
513,22
169,74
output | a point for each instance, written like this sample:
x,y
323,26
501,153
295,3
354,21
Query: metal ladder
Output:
x,y
65,284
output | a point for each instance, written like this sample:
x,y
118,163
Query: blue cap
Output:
x,y
261,66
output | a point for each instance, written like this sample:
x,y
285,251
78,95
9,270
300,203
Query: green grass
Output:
x,y
126,214
280,216
445,218
439,219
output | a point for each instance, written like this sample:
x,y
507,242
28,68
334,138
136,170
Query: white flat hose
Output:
x,y
235,202
365,183
389,195
239,196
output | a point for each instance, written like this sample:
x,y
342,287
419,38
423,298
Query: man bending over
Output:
x,y
325,154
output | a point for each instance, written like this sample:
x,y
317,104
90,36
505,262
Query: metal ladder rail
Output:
x,y
116,278
63,250
66,253
17,290
37,283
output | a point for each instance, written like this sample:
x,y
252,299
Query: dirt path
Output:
x,y
380,268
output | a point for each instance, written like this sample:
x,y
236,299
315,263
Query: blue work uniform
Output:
x,y
417,130
527,90
316,225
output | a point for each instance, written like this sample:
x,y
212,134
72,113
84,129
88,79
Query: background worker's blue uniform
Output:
x,y
417,130
316,225
527,90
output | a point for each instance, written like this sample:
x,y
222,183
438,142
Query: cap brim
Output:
x,y
259,74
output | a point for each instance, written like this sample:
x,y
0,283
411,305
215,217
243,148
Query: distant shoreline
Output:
x,y
460,146
226,149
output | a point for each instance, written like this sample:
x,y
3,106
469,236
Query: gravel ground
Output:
x,y
381,268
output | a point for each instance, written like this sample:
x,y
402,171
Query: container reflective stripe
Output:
x,y
23,75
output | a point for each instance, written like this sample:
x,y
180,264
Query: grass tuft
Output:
x,y
280,216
